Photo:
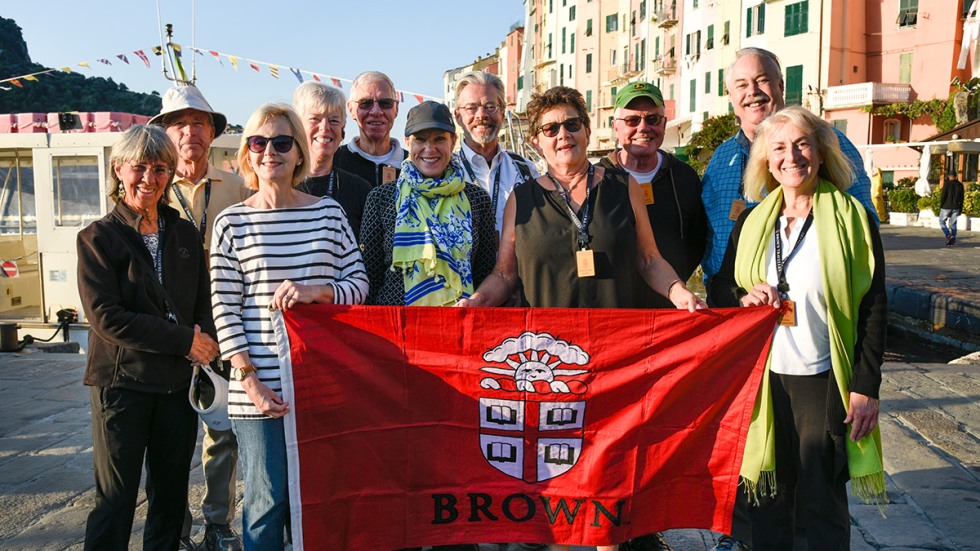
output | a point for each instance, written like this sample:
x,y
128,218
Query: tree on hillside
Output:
x,y
58,91
714,131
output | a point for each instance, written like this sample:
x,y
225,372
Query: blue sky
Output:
x,y
414,42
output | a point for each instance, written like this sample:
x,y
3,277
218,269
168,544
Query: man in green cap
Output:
x,y
672,188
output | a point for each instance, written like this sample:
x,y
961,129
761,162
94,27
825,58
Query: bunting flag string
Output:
x,y
337,82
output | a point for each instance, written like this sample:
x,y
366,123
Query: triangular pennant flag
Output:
x,y
336,82
123,58
216,56
65,69
157,50
296,72
420,98
316,78
86,65
30,77
233,60
105,62
15,82
254,66
401,96
142,56
274,71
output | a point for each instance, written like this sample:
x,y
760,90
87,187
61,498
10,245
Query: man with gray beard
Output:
x,y
480,105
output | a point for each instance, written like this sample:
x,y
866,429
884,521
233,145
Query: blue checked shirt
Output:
x,y
722,184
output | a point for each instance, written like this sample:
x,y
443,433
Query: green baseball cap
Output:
x,y
639,90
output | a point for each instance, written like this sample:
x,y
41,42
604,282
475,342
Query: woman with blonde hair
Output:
x,y
814,251
277,249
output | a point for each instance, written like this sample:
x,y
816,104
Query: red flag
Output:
x,y
15,82
254,66
419,98
143,56
433,426
316,77
336,82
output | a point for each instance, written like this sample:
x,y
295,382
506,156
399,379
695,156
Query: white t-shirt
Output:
x,y
645,177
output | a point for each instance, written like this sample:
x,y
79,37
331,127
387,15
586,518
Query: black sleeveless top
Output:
x,y
546,244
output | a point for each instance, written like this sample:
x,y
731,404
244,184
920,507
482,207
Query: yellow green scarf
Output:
x,y
846,266
433,237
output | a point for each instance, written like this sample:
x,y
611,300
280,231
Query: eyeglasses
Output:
x,y
634,120
571,125
158,171
258,144
368,104
488,108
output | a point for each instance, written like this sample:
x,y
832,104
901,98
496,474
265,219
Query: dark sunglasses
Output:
x,y
258,144
571,125
368,104
634,120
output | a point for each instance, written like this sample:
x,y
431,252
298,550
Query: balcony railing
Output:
x,y
867,93
615,72
667,16
665,65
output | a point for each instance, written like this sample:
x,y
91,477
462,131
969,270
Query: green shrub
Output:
x,y
902,200
971,186
907,182
930,203
971,203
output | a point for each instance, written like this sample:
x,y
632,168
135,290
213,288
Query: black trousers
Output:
x,y
811,474
127,426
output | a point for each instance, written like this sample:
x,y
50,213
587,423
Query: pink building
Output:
x,y
511,74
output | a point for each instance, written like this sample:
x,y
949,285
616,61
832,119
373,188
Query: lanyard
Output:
x,y
496,181
783,286
187,208
581,226
330,184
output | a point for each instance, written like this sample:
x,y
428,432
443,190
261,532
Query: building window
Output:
x,y
588,27
694,4
797,16
633,24
905,68
561,74
636,57
571,13
588,100
643,53
549,56
77,201
908,13
612,23
656,47
759,26
726,37
569,71
707,82
687,45
794,85
643,8
893,131
564,40
697,43
612,57
612,95
694,93
520,82
840,125
710,43
588,63
572,44
721,82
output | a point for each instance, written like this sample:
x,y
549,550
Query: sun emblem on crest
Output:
x,y
533,362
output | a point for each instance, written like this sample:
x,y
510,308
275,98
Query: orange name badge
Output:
x,y
647,192
585,262
788,317
388,174
738,205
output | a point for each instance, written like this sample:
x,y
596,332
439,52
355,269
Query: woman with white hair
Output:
x,y
813,250
321,109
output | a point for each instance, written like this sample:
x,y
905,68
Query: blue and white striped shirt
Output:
x,y
722,184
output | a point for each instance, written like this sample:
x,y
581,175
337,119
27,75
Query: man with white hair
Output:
x,y
373,155
755,88
200,192
480,105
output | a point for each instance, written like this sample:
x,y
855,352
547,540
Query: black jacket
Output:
x,y
365,168
680,225
132,343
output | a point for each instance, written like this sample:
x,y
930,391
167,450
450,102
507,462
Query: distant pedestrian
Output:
x,y
950,207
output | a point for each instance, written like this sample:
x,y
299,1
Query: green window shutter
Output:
x,y
588,100
794,85
694,93
572,41
748,22
711,38
564,40
707,82
656,47
905,68
721,82
796,19
762,19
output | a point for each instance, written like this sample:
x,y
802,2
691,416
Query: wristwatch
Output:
x,y
239,373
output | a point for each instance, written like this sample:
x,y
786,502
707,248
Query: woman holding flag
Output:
x,y
814,251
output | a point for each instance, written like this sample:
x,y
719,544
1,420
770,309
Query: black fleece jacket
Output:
x,y
132,343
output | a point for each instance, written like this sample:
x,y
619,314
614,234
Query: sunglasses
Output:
x,y
368,104
258,144
634,120
571,125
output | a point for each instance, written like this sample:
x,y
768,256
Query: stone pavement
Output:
x,y
936,288
930,425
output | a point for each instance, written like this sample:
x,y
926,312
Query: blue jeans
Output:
x,y
951,215
262,460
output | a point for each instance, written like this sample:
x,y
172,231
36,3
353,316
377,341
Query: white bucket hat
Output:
x,y
179,98
210,400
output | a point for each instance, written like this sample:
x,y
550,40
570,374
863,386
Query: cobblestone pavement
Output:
x,y
930,425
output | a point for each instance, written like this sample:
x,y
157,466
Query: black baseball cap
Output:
x,y
427,115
